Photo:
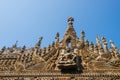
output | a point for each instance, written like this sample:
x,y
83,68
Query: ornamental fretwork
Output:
x,y
70,58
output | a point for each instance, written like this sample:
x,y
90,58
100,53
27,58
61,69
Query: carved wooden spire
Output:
x,y
82,36
98,42
70,34
39,42
57,37
15,45
112,44
105,44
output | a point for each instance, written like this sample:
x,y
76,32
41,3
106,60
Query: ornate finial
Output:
x,y
104,40
112,44
40,39
83,34
39,42
57,37
97,40
15,45
111,41
70,20
82,37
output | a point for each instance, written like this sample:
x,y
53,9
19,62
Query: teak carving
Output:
x,y
68,59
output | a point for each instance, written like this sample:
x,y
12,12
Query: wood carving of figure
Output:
x,y
66,57
67,54
61,55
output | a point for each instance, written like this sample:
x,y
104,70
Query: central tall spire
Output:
x,y
70,34
70,30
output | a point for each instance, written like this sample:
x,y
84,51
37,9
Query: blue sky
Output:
x,y
27,20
